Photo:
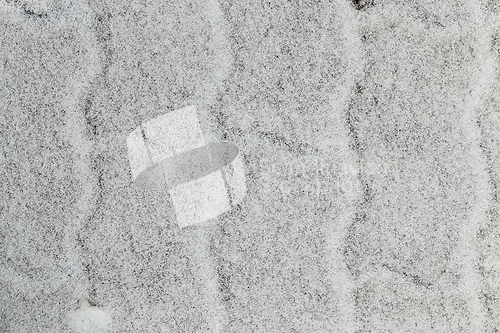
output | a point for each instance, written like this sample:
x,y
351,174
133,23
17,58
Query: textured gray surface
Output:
x,y
370,133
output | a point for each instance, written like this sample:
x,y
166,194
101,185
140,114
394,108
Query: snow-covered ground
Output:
x,y
370,132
